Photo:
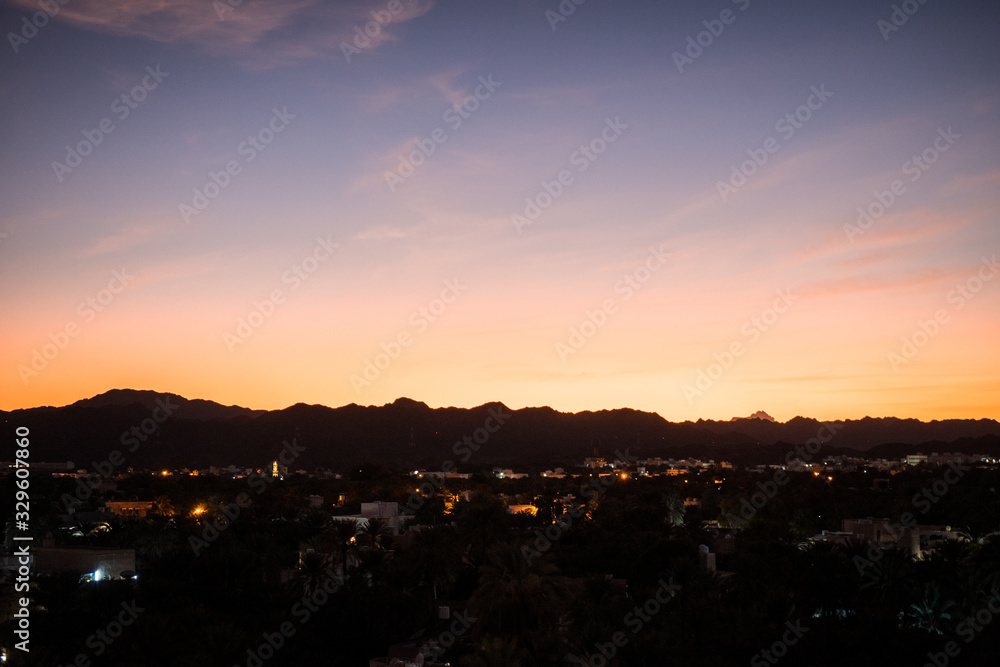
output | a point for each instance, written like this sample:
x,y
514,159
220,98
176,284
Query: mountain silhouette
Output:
x,y
408,434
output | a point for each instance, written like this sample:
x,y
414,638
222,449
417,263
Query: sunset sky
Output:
x,y
639,204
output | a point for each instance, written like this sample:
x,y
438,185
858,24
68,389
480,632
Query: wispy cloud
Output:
x,y
921,279
178,270
124,239
444,83
966,184
381,232
256,34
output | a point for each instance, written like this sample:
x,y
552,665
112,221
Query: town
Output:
x,y
481,563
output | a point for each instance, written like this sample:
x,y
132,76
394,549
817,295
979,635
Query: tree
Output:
x,y
496,652
673,506
933,613
515,600
375,533
312,570
162,506
343,533
435,558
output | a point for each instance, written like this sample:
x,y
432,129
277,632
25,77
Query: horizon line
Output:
x,y
498,402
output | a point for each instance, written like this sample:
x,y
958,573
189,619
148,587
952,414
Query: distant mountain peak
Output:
x,y
407,434
760,414
404,401
127,397
195,408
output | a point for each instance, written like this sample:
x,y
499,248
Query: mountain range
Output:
x,y
154,430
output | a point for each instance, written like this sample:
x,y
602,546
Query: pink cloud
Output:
x,y
251,33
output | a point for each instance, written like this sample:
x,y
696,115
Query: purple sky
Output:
x,y
486,202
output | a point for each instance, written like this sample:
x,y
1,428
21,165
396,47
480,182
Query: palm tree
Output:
x,y
89,530
986,559
375,532
435,558
674,507
313,567
496,652
932,613
597,612
483,521
516,600
828,580
343,534
891,578
155,545
451,499
162,506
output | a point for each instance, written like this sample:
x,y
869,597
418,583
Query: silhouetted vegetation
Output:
x,y
537,592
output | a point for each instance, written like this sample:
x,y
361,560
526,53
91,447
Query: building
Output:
x,y
507,473
878,531
885,534
440,474
99,562
129,508
395,521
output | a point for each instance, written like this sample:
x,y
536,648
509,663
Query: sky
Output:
x,y
699,209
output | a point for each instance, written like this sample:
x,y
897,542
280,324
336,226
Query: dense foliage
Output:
x,y
614,571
